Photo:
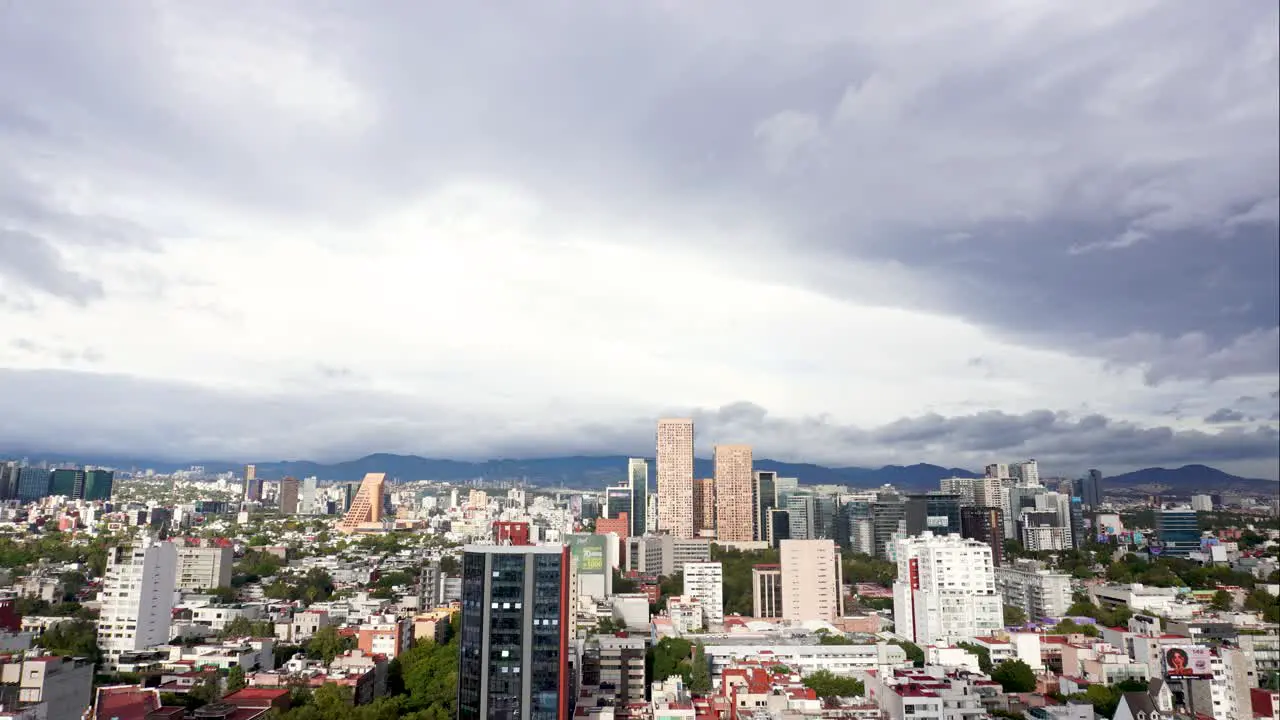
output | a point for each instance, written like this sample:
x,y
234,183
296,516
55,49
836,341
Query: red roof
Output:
x,y
129,702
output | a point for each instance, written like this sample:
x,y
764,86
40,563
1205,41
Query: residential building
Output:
x,y
137,597
288,499
675,477
766,591
704,581
946,589
365,508
1025,473
1202,503
812,581
204,568
617,663
57,687
704,507
385,635
734,483
513,649
1039,592
1040,530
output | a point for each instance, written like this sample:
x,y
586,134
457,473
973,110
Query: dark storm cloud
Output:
x,y
1224,415
1095,177
178,421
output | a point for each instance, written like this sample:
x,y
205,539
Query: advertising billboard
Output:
x,y
590,552
937,521
1181,661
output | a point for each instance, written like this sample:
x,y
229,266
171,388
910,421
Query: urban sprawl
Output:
x,y
129,594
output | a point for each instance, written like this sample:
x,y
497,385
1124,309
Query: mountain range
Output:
x,y
587,472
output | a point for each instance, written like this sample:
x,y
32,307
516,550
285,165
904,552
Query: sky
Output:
x,y
846,233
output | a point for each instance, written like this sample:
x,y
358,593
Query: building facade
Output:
x,y
704,581
137,597
638,477
734,484
812,581
704,507
766,591
204,568
514,640
675,476
1039,592
946,590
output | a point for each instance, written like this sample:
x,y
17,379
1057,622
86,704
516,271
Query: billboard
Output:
x,y
1182,661
590,552
936,521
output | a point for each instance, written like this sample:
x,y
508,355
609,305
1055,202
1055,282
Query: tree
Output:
x,y
1014,676
826,684
1222,600
700,674
984,655
1014,615
670,657
244,627
235,679
76,638
327,643
913,651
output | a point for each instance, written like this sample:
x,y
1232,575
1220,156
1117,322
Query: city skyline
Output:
x,y
282,242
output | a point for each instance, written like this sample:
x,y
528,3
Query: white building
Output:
x,y
1040,592
137,597
705,581
204,568
945,591
1202,503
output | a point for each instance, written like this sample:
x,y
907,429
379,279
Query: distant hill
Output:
x,y
597,471
1189,480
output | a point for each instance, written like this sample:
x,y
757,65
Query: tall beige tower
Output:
x,y
734,510
811,581
675,476
366,506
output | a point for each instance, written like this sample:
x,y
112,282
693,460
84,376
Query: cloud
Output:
x,y
1224,415
176,421
828,210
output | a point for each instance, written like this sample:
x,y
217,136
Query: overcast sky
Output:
x,y
847,233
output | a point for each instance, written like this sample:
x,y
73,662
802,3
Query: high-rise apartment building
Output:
x,y
1026,473
704,507
812,581
638,476
766,591
514,641
675,477
288,499
986,525
705,581
734,483
137,597
309,497
204,568
1041,530
1039,592
997,471
946,590
365,508
764,498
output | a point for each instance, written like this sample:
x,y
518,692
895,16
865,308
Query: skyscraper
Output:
x,y
812,581
67,482
33,483
1026,473
704,506
638,474
365,508
1089,489
98,484
764,498
617,501
1177,532
675,476
289,496
734,483
514,642
801,516
252,485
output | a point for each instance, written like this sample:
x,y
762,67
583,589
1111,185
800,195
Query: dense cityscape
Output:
x,y
230,596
